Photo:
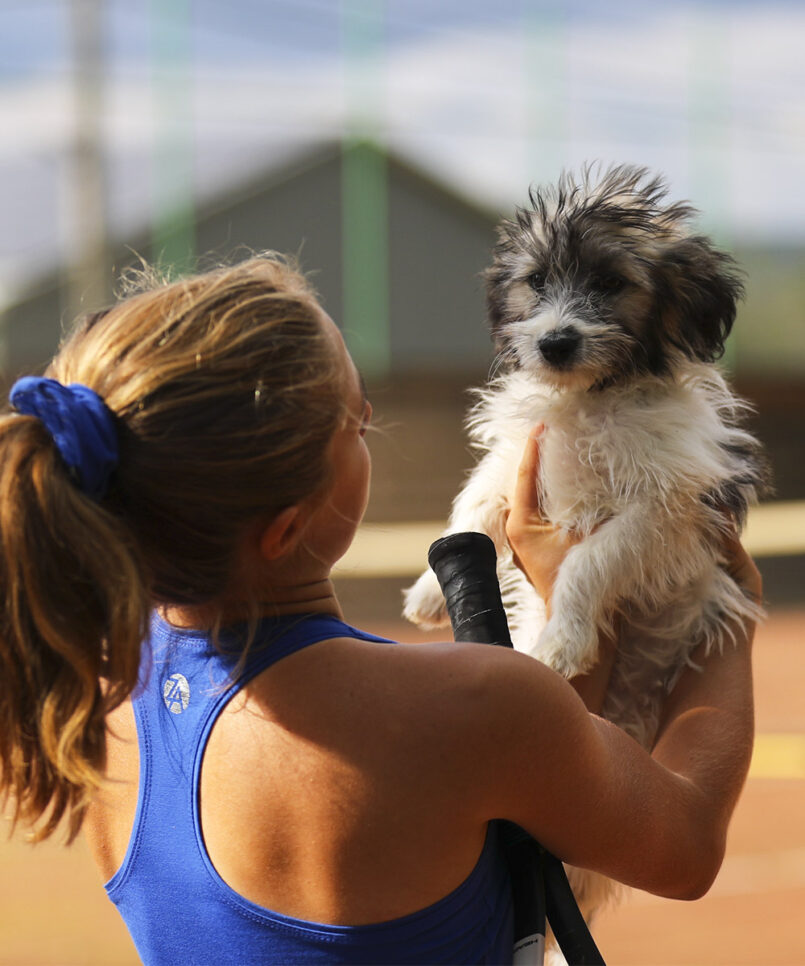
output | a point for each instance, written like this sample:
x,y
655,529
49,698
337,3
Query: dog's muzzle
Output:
x,y
559,347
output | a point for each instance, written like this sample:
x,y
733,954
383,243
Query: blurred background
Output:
x,y
381,141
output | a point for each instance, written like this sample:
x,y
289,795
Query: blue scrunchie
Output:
x,y
81,424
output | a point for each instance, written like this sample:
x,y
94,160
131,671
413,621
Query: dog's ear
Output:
x,y
698,289
496,278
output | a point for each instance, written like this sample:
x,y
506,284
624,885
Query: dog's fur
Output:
x,y
607,313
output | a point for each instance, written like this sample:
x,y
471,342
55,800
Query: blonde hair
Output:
x,y
226,391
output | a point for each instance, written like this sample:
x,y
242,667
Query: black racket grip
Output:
x,y
465,566
569,926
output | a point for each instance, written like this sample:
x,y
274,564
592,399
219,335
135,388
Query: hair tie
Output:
x,y
81,424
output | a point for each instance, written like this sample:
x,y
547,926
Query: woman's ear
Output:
x,y
281,534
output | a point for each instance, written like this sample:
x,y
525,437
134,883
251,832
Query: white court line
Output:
x,y
778,756
776,529
747,874
400,549
389,550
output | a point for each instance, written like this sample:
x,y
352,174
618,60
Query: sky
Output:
x,y
487,96
34,35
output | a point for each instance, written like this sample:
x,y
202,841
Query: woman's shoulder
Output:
x,y
403,673
427,701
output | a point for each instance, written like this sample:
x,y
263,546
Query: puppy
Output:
x,y
608,312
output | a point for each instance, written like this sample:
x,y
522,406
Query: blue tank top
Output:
x,y
176,906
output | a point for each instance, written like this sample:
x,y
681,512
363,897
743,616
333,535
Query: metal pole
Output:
x,y
173,222
88,276
364,193
709,123
546,100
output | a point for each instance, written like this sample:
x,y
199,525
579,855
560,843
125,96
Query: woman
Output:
x,y
279,786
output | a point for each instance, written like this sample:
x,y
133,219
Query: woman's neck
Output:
x,y
316,597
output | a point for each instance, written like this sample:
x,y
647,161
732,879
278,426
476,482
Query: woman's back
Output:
x,y
324,796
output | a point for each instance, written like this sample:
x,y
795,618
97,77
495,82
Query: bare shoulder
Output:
x,y
360,747
425,705
421,683
458,708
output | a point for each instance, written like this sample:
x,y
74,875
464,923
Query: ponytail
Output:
x,y
169,424
74,608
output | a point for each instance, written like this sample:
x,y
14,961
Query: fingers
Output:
x,y
738,564
527,490
538,547
742,568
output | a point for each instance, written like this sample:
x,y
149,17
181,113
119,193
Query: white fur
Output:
x,y
626,468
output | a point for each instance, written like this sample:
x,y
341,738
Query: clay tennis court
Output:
x,y
54,912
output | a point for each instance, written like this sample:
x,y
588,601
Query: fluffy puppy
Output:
x,y
607,312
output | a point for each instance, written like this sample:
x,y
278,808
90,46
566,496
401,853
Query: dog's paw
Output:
x,y
568,647
424,602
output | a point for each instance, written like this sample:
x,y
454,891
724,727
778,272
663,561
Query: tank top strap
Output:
x,y
175,903
282,637
185,682
193,676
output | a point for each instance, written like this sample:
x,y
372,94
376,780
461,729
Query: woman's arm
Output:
x,y
714,701
589,792
592,795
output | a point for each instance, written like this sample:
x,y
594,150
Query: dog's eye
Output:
x,y
537,281
608,283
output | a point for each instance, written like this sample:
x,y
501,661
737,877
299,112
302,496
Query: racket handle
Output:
x,y
465,566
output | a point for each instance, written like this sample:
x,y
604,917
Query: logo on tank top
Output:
x,y
176,693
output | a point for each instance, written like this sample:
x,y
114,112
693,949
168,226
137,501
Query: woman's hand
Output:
x,y
537,545
539,548
740,566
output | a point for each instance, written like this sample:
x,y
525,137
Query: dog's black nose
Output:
x,y
558,347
